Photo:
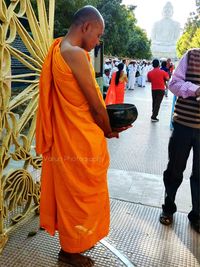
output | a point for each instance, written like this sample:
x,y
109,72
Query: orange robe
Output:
x,y
74,192
115,94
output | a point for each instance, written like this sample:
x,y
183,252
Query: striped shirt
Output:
x,y
184,83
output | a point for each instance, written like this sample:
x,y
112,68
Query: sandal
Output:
x,y
166,218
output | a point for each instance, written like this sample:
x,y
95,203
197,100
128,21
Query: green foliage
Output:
x,y
183,44
121,31
191,35
64,11
139,45
117,29
198,6
121,38
196,39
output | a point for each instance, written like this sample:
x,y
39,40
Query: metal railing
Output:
x,y
19,164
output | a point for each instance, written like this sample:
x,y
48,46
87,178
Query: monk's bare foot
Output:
x,y
75,259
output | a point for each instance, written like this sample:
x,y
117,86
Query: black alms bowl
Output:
x,y
121,115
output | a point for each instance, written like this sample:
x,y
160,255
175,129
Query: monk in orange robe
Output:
x,y
72,126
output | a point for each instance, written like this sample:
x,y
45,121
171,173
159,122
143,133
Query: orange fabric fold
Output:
x,y
74,192
115,94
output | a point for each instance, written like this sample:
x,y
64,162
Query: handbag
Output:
x,y
137,74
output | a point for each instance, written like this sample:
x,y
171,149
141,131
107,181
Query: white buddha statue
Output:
x,y
165,34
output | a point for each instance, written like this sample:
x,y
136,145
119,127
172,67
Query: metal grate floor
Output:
x,y
135,232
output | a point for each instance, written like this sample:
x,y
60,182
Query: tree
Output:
x,y
121,31
190,36
116,30
120,24
183,43
64,10
139,45
196,39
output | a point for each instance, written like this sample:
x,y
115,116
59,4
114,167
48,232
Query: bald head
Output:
x,y
87,13
86,29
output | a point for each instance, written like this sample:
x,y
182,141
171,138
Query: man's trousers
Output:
x,y
157,97
182,140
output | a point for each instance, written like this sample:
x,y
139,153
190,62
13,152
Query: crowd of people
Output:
x,y
137,72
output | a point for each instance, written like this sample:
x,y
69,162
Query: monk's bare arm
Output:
x,y
78,62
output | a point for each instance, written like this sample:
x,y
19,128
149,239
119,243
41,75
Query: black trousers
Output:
x,y
182,140
157,97
105,89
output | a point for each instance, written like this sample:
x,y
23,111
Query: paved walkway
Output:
x,y
139,156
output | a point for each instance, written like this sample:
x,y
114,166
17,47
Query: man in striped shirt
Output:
x,y
185,84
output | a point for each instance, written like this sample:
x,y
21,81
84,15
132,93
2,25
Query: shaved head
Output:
x,y
87,13
86,29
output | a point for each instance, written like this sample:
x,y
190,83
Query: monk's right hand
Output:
x,y
115,132
112,135
119,130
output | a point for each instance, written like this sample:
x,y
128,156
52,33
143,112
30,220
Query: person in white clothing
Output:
x,y
125,66
114,69
143,74
149,67
107,64
106,82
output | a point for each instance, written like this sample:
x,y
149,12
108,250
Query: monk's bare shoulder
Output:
x,y
72,54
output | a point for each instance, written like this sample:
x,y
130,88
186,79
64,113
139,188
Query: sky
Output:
x,y
150,11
